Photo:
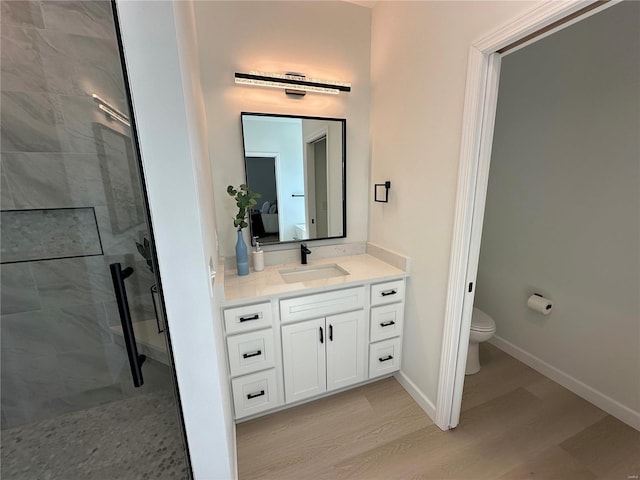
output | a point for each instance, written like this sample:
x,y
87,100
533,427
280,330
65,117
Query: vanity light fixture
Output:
x,y
111,111
292,83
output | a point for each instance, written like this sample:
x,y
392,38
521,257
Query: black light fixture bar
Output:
x,y
295,83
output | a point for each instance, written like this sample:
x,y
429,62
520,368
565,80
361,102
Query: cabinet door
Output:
x,y
346,360
303,356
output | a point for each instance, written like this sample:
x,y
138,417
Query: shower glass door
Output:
x,y
73,210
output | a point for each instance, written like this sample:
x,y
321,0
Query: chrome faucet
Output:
x,y
304,251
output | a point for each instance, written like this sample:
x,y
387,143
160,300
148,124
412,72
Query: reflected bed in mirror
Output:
x,y
297,165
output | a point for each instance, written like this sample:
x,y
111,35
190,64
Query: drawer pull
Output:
x,y
384,359
386,293
255,316
255,395
252,354
387,324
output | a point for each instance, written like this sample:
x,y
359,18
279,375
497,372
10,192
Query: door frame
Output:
x,y
310,187
481,98
276,165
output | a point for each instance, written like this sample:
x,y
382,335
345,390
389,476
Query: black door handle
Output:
x,y
331,332
321,336
135,360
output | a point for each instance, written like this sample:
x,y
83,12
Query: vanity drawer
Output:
x,y
254,393
386,322
384,357
251,352
248,317
387,292
321,304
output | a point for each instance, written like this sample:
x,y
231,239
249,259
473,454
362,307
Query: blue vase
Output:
x,y
242,256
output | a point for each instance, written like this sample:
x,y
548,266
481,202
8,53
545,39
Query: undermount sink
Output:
x,y
312,272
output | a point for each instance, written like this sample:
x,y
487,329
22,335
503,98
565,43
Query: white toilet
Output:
x,y
482,329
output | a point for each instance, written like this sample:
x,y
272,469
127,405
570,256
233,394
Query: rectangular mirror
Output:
x,y
297,165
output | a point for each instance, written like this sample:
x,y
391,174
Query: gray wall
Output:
x,y
58,353
563,208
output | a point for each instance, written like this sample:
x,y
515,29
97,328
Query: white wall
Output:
x,y
283,138
325,39
419,57
563,208
160,51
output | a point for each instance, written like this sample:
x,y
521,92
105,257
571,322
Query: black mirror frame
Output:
x,y
343,122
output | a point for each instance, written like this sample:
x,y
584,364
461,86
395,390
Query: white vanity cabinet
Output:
x,y
290,347
326,353
385,328
252,358
323,354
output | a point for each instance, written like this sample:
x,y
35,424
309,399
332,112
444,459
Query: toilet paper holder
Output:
x,y
540,304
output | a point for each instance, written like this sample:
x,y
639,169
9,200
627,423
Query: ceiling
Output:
x,y
363,3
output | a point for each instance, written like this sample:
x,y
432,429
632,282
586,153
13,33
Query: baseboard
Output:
x,y
600,400
420,398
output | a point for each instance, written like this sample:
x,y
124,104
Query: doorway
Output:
x,y
320,187
317,184
88,384
480,109
262,177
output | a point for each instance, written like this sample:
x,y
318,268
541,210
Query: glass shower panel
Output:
x,y
72,204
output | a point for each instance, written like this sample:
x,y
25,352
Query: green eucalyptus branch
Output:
x,y
144,249
245,200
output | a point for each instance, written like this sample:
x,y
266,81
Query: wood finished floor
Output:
x,y
515,424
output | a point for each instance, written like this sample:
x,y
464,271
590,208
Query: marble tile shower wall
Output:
x,y
58,353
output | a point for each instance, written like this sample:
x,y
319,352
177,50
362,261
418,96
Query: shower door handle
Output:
x,y
135,360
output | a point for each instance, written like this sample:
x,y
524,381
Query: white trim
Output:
x,y
564,25
532,21
314,137
479,97
475,237
599,399
469,151
419,397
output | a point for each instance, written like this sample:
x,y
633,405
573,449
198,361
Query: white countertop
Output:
x,y
268,283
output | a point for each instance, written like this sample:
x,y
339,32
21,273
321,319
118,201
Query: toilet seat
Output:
x,y
481,322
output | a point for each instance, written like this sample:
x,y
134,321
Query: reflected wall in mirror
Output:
x,y
297,165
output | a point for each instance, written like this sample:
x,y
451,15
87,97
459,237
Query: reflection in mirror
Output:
x,y
297,165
